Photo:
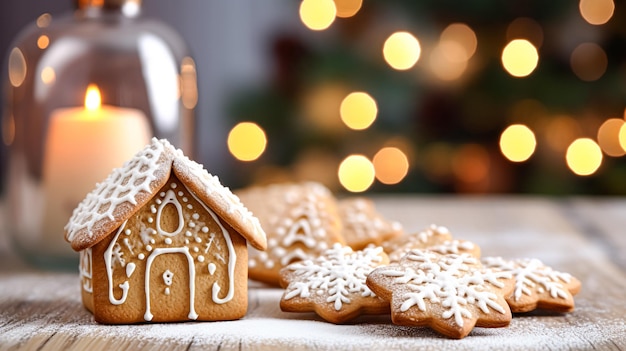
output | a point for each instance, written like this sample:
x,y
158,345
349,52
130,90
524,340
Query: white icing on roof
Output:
x,y
121,186
214,188
128,188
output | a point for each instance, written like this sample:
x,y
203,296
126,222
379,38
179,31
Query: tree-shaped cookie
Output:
x,y
456,247
537,285
301,220
333,285
363,225
400,245
449,293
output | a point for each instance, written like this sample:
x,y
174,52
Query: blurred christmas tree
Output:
x,y
425,90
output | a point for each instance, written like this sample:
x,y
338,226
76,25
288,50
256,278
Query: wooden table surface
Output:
x,y
583,236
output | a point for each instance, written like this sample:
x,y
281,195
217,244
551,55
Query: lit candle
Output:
x,y
83,146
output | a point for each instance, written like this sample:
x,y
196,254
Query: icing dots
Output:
x,y
152,241
299,222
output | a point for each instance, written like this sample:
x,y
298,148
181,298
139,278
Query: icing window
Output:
x,y
164,226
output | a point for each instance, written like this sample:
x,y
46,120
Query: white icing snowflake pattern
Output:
x,y
338,273
121,186
530,274
453,281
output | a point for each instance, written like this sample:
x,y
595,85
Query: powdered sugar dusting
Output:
x,y
58,300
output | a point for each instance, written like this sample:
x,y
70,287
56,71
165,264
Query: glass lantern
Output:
x,y
84,93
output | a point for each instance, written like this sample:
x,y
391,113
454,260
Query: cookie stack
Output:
x,y
341,259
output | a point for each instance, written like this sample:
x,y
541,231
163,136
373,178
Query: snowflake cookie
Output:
x,y
333,285
449,293
536,285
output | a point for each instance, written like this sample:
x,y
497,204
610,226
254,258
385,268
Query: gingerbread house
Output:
x,y
162,240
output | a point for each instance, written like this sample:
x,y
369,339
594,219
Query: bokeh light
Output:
x,y
48,76
471,163
356,173
517,143
596,12
44,20
436,161
358,110
401,50
583,156
317,14
43,41
322,105
247,141
348,8
589,61
622,136
391,165
520,58
561,130
189,83
462,36
17,67
8,129
608,137
525,28
441,65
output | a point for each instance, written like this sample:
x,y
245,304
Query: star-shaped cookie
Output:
x,y
333,285
537,285
449,293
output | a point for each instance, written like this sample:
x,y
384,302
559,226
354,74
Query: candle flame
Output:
x,y
92,97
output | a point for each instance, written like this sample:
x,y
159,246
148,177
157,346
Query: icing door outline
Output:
x,y
192,278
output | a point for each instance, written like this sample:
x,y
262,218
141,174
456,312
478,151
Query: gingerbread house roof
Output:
x,y
130,187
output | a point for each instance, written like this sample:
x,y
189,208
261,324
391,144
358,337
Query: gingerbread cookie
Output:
x,y
363,226
537,286
456,247
333,284
399,246
449,293
301,221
